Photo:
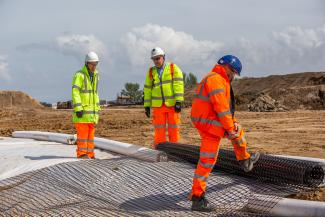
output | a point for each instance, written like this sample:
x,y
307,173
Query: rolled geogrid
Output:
x,y
300,173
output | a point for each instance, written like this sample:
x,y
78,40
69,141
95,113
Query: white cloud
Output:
x,y
294,49
301,47
179,46
4,68
297,38
75,45
79,45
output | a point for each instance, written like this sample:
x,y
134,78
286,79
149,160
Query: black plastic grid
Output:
x,y
280,170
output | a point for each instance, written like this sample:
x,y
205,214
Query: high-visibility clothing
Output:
x,y
161,91
211,106
208,157
165,89
85,139
85,96
211,114
166,117
240,146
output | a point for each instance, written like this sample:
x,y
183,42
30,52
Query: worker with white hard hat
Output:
x,y
164,92
86,107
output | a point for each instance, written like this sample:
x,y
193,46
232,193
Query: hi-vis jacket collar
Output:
x,y
221,71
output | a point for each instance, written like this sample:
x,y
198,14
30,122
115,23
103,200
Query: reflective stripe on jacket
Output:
x,y
85,97
167,90
211,109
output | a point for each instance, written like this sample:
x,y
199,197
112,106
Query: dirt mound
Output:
x,y
277,92
281,92
9,99
265,84
303,97
266,103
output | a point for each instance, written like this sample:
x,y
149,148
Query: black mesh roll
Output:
x,y
269,168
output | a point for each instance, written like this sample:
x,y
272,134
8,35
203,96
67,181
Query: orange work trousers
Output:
x,y
85,139
166,115
208,157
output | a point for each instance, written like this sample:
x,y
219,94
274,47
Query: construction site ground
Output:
x,y
298,133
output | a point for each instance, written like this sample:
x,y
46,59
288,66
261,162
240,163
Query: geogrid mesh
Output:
x,y
129,187
297,173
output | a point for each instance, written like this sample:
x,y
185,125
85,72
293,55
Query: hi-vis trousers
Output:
x,y
85,139
208,157
163,116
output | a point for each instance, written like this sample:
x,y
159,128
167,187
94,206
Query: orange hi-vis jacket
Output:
x,y
211,107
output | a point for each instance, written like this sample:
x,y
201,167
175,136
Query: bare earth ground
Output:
x,y
300,133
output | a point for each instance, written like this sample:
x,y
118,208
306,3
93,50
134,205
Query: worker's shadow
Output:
x,y
46,157
159,202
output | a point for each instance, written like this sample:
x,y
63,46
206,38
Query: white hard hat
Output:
x,y
157,51
91,57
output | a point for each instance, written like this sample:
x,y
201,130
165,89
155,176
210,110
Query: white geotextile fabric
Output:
x,y
18,155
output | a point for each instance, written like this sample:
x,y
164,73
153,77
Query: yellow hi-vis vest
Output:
x,y
167,90
85,97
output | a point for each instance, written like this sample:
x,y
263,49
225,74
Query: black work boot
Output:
x,y
200,204
248,164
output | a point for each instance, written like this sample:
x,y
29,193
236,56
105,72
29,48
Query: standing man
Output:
x,y
164,92
86,105
212,114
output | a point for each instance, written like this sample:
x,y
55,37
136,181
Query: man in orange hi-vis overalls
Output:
x,y
164,92
213,116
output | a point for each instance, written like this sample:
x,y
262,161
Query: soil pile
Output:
x,y
12,99
266,103
299,91
281,92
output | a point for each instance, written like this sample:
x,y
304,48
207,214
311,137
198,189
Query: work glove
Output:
x,y
178,107
79,114
147,111
231,135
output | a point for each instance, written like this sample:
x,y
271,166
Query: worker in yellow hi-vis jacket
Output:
x,y
85,101
164,92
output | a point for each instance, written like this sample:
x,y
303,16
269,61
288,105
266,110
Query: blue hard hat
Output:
x,y
232,61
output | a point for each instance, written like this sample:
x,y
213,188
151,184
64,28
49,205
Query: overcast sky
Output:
x,y
43,42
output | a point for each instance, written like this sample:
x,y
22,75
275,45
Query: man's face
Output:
x,y
230,72
158,61
92,66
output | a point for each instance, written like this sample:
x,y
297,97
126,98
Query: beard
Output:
x,y
231,78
